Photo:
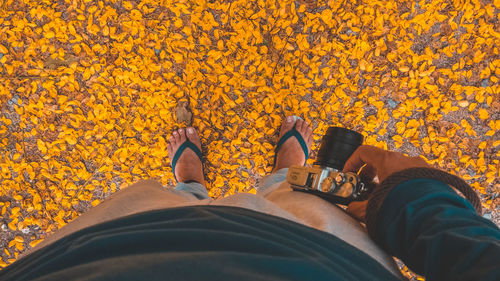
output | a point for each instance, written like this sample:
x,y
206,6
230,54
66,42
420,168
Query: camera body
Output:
x,y
325,178
338,187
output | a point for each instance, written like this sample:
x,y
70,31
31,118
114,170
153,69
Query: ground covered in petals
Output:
x,y
91,90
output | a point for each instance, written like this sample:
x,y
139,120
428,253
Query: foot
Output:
x,y
291,152
188,166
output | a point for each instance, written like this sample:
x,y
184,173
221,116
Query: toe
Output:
x,y
177,137
305,125
309,132
193,137
169,149
287,125
298,125
182,134
302,126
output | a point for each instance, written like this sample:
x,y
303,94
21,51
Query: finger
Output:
x,y
419,161
365,154
357,209
367,173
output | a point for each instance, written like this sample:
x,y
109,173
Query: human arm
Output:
x,y
423,221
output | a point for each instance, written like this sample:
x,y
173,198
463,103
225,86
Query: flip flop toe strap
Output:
x,y
292,133
180,150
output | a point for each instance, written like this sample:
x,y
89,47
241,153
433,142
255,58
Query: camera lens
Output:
x,y
337,145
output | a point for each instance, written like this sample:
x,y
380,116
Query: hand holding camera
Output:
x,y
378,164
345,171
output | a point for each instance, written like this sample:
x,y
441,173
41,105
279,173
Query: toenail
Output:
x,y
190,131
289,119
181,131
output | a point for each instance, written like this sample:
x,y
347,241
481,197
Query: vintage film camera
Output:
x,y
325,178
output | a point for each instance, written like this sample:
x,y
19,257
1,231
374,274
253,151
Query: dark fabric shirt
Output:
x,y
438,233
434,231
